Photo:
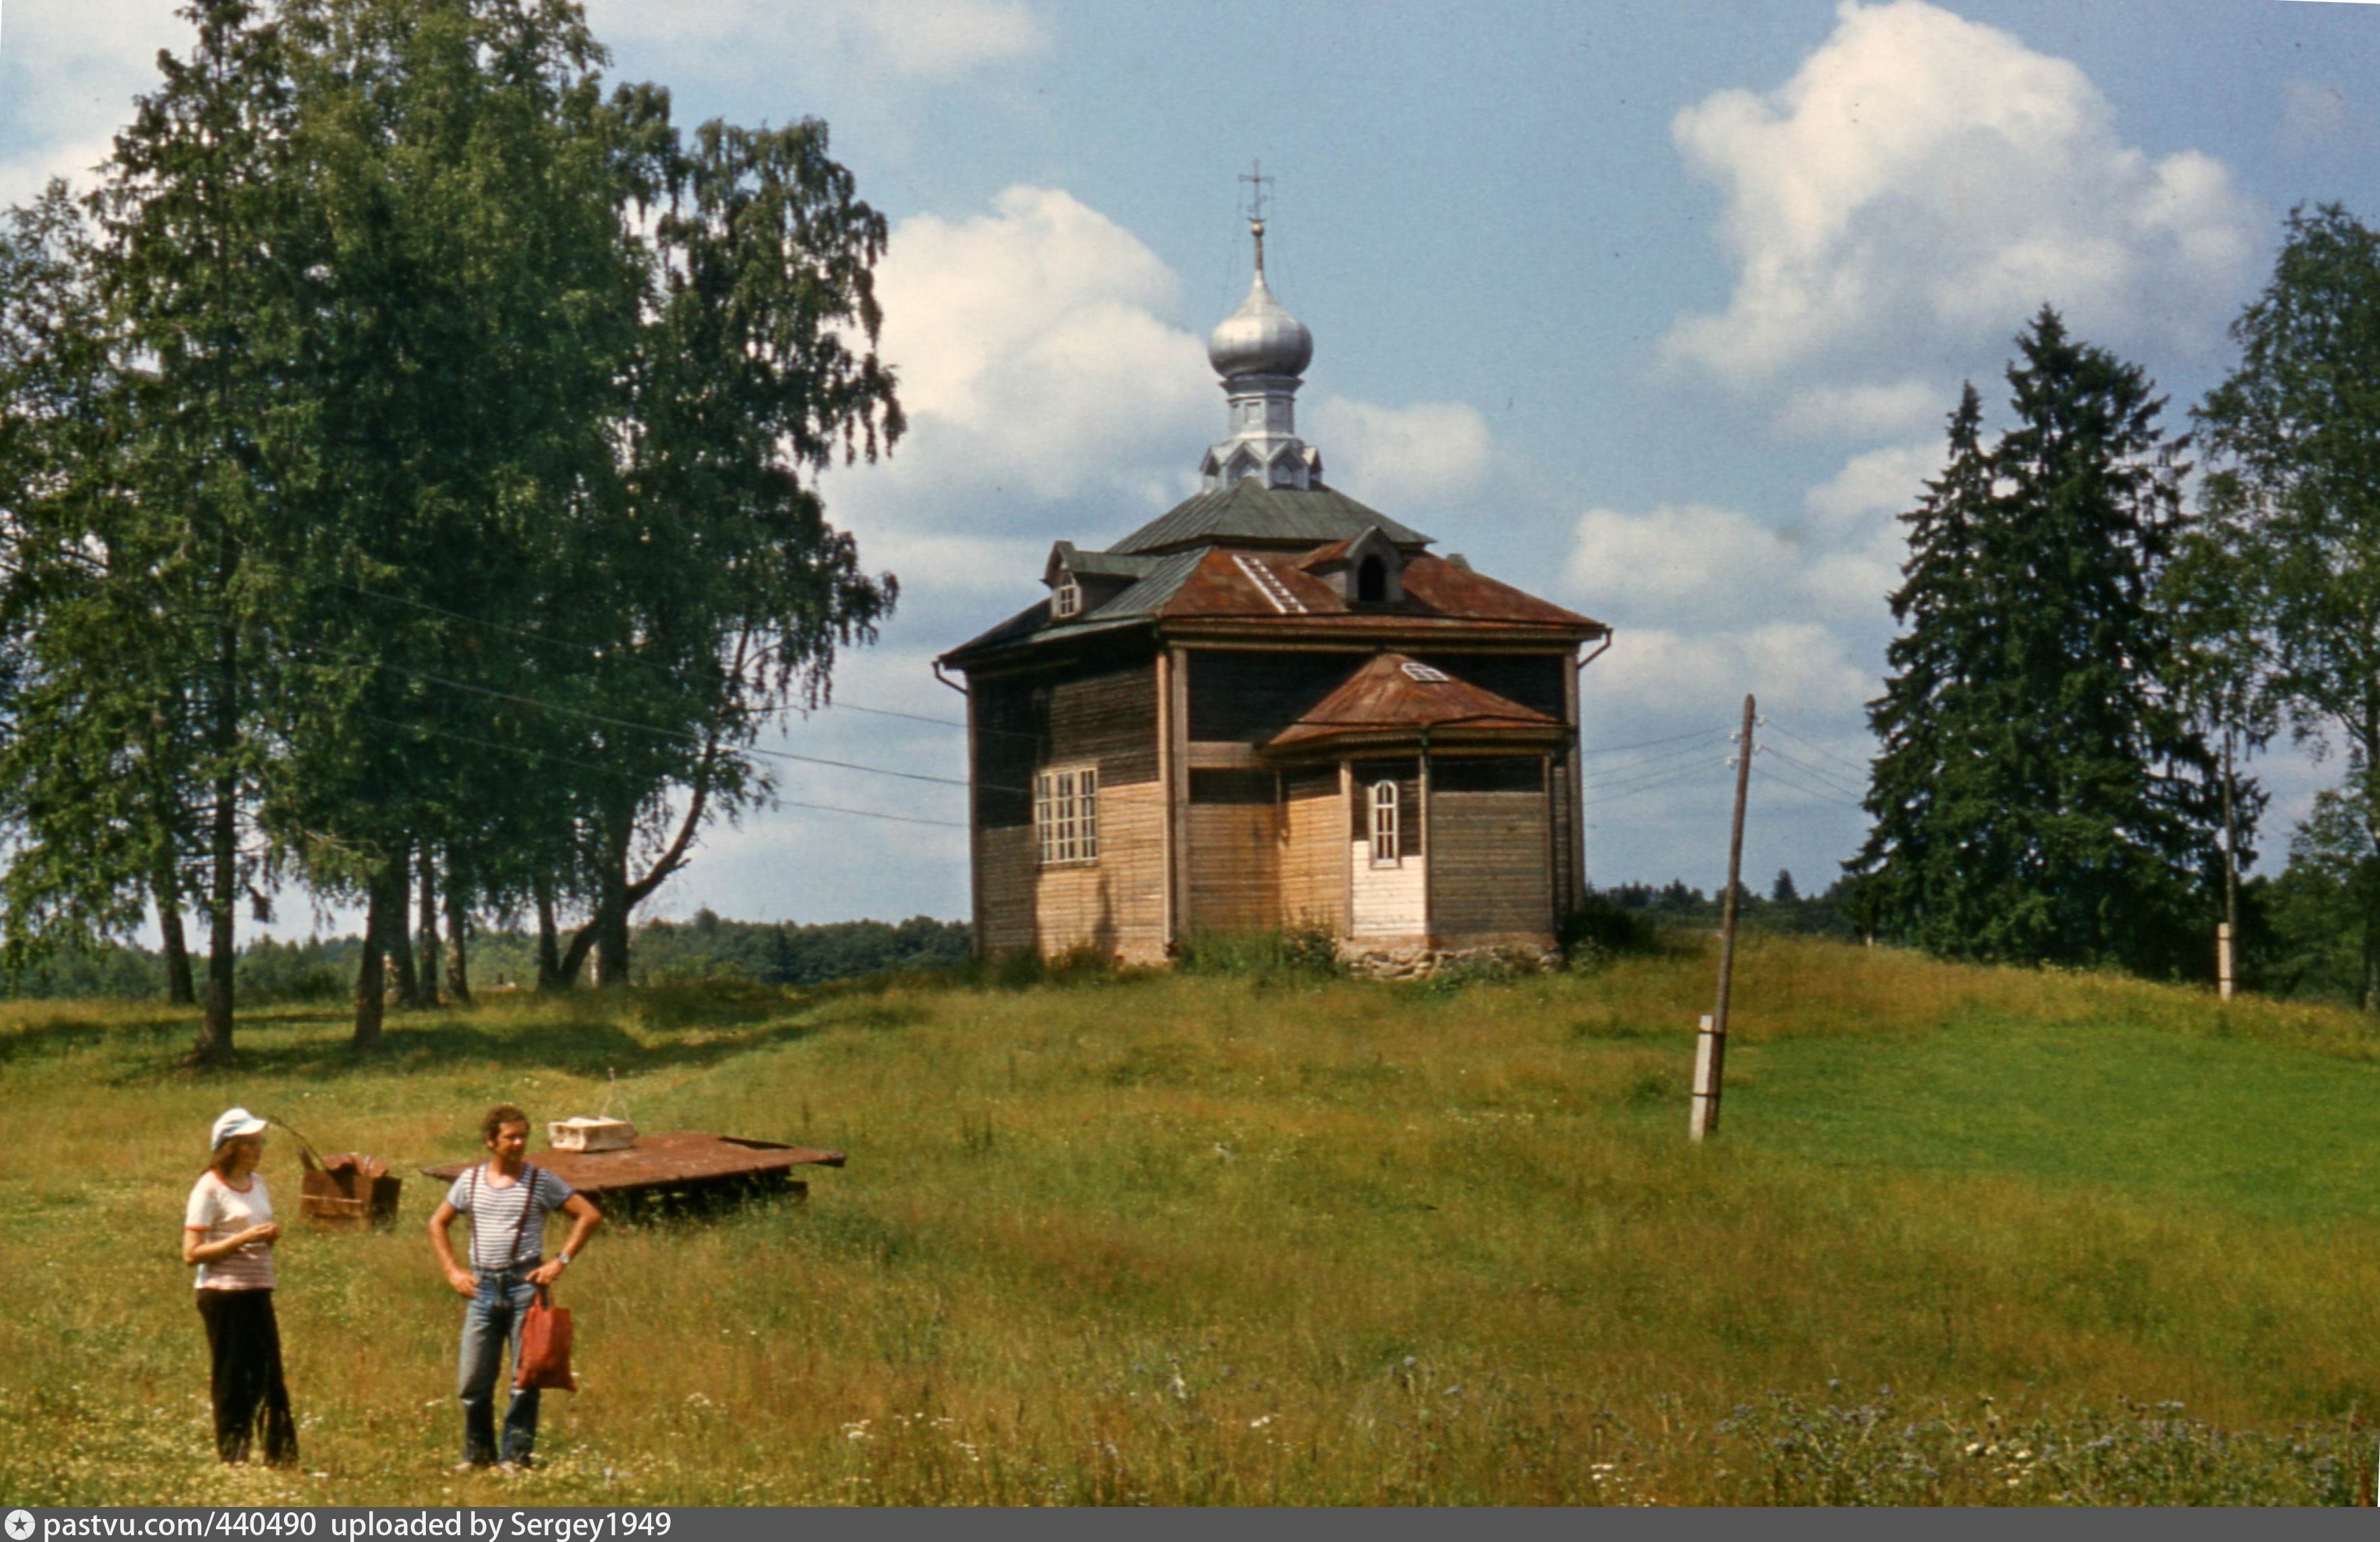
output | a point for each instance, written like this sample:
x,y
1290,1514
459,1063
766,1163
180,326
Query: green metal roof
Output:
x,y
1248,512
1166,575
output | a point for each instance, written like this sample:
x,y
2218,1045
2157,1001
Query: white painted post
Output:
x,y
1707,1065
2223,959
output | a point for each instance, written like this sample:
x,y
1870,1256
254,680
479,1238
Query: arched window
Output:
x,y
1372,581
1385,848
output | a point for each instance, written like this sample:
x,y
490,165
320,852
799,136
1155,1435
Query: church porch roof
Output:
x,y
1393,700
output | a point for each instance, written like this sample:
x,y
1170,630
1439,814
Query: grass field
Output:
x,y
1969,1236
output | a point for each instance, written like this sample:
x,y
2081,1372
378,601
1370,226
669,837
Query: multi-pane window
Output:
x,y
1066,816
1068,599
1384,824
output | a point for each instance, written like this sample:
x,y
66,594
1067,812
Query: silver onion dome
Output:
x,y
1260,350
1261,338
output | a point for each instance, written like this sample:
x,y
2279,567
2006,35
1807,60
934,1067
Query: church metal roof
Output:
x,y
1247,513
1394,696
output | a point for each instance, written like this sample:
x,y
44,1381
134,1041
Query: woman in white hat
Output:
x,y
228,1233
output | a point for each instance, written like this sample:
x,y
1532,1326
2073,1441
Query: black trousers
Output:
x,y
244,1342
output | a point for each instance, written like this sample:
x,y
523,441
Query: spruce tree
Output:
x,y
2040,796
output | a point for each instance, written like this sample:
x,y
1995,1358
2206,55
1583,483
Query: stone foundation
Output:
x,y
1420,961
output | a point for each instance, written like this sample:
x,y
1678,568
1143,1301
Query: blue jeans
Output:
x,y
492,1320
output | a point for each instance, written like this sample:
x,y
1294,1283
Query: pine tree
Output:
x,y
2040,796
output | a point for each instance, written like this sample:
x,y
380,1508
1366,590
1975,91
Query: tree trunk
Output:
x,y
429,949
611,924
180,989
215,1031
2368,729
371,974
223,856
458,927
2369,998
549,939
608,928
400,937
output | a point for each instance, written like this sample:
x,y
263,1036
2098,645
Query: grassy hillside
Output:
x,y
1969,1236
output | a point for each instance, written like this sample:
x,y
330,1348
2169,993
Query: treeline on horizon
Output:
x,y
704,947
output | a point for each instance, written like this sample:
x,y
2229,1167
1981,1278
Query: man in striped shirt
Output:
x,y
507,1200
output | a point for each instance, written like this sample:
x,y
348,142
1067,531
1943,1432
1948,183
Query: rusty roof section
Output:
x,y
678,1159
1394,696
1241,583
1258,585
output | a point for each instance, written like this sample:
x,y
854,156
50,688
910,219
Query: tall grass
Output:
x,y
1266,1237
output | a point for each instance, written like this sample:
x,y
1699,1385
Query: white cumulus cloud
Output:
x,y
1880,482
1859,412
1792,666
1923,183
1401,458
927,40
1680,565
1034,355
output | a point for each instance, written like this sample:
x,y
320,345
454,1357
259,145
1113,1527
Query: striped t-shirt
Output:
x,y
223,1212
496,1214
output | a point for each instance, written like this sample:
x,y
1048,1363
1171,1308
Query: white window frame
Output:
x,y
1066,816
1067,599
1385,849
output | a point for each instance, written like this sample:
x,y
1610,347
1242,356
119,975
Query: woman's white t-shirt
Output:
x,y
223,1212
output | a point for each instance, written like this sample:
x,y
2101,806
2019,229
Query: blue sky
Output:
x,y
1656,309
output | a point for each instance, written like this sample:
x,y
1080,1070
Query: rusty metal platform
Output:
x,y
682,1164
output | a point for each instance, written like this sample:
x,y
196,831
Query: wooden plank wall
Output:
x,y
1004,875
1234,862
1391,901
1250,695
1097,711
1488,872
1314,852
1117,904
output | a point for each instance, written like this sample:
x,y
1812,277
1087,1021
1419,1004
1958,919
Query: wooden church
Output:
x,y
1274,706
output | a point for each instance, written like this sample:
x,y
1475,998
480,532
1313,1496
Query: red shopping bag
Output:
x,y
544,1359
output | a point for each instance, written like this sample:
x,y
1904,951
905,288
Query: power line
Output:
x,y
1824,777
616,655
1648,744
1686,775
1806,792
1668,758
1602,787
673,733
1809,743
624,776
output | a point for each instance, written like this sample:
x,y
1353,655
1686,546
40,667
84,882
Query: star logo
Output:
x,y
21,1525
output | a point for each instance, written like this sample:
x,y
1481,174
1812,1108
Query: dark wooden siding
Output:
x,y
1102,710
1234,786
1503,773
1252,695
1534,680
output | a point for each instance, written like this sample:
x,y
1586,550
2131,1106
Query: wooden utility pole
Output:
x,y
2227,935
1710,1045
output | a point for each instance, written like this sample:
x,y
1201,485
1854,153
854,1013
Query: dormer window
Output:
x,y
1066,599
1372,581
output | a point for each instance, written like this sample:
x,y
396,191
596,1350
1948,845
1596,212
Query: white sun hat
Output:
x,y
234,1124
